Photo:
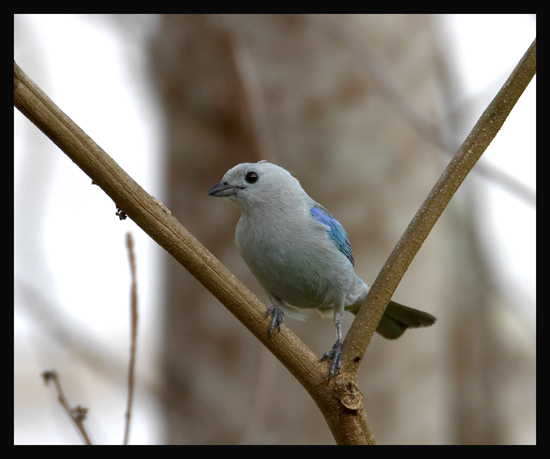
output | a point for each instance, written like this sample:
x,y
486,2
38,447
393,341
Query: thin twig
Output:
x,y
77,414
133,333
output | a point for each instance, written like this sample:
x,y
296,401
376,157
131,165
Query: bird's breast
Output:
x,y
296,265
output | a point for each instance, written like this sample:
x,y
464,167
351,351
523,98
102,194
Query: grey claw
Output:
x,y
335,354
277,318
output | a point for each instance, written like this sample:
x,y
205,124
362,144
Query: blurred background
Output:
x,y
366,111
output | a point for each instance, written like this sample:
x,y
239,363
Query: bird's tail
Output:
x,y
397,318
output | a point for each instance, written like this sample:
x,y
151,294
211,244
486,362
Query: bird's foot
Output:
x,y
335,354
277,318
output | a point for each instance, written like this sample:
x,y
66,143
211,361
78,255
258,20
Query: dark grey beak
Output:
x,y
223,189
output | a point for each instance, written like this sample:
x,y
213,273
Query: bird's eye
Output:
x,y
251,177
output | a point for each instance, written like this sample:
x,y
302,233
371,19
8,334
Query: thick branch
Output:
x,y
158,222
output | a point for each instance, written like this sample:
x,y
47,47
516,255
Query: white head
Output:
x,y
258,185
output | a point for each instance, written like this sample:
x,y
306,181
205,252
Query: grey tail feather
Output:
x,y
397,318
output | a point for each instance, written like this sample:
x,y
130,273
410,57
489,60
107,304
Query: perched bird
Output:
x,y
300,254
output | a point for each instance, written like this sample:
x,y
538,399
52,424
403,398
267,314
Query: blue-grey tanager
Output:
x,y
300,253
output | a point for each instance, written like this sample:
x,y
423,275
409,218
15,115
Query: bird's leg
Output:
x,y
277,318
336,352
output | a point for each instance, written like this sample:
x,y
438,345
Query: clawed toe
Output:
x,y
277,318
335,354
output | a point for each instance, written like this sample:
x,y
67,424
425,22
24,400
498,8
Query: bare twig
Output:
x,y
77,414
480,137
133,333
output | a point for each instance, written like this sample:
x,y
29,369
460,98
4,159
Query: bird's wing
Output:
x,y
336,231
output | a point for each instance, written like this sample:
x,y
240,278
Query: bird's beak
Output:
x,y
222,189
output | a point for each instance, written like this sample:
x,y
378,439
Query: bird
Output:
x,y
300,254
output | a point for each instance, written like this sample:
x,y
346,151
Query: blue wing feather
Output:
x,y
336,232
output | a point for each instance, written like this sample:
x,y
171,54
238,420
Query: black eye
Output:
x,y
251,177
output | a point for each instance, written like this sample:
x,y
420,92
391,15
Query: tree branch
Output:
x,y
159,223
133,335
77,414
485,130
